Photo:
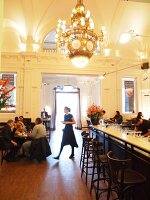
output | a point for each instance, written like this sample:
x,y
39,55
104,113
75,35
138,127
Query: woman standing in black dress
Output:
x,y
68,133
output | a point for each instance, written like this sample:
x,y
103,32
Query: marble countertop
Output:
x,y
139,142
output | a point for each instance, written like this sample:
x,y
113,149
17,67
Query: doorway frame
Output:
x,y
75,92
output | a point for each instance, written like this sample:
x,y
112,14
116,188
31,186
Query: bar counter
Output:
x,y
124,146
138,142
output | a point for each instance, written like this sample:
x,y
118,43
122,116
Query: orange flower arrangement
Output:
x,y
5,89
94,112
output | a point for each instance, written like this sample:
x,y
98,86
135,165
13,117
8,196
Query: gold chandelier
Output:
x,y
78,41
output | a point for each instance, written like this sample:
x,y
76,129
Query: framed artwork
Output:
x,y
128,95
7,92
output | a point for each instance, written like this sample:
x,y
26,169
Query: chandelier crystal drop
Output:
x,y
78,41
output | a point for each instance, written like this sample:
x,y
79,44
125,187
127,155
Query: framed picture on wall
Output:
x,y
128,95
8,92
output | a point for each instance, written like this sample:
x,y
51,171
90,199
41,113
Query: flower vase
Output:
x,y
95,121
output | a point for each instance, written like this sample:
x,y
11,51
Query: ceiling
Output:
x,y
30,21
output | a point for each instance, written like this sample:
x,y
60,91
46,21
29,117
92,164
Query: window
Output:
x,y
11,102
128,95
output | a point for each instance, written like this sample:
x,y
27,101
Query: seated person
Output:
x,y
39,131
104,116
21,119
26,122
117,118
139,115
16,120
144,126
19,128
44,114
9,142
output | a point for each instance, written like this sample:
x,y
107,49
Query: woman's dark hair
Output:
x,y
139,115
38,120
21,117
118,113
10,121
16,119
67,108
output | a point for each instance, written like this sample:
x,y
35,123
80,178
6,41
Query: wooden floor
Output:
x,y
49,180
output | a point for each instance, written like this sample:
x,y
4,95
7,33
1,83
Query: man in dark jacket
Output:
x,y
44,114
8,140
44,117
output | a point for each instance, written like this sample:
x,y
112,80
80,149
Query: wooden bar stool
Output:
x,y
123,179
101,167
83,134
87,157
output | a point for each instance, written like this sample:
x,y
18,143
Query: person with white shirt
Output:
x,y
39,131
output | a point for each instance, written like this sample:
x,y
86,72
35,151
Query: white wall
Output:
x,y
30,67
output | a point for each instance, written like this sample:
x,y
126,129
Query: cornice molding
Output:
x,y
55,63
58,56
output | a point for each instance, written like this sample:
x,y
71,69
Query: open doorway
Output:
x,y
70,97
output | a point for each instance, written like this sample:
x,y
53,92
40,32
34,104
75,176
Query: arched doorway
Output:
x,y
69,96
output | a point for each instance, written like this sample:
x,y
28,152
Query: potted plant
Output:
x,y
94,112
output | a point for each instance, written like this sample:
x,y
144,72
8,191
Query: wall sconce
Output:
x,y
142,55
22,47
107,52
103,76
35,47
125,37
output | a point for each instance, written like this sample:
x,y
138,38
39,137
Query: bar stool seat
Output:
x,y
103,158
132,177
123,179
